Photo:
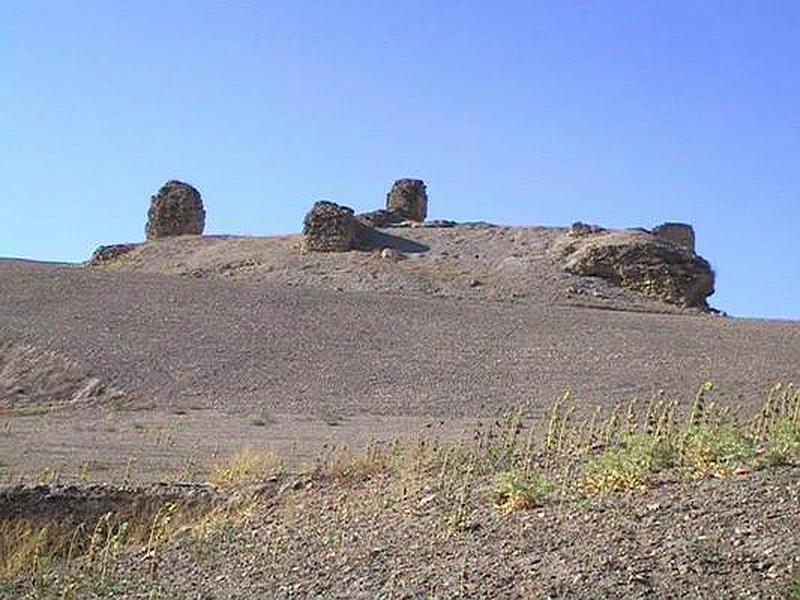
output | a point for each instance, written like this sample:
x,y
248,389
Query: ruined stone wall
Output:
x,y
177,209
328,227
654,265
678,233
408,198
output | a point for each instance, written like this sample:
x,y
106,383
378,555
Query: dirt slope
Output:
x,y
339,347
242,345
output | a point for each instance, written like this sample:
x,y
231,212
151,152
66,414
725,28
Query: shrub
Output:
x,y
515,490
784,443
715,450
628,467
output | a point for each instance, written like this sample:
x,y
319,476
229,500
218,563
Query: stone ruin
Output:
x,y
177,209
406,204
660,264
678,233
408,198
106,254
381,218
328,227
579,229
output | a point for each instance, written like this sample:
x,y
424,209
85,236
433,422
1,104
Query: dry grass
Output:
x,y
574,457
626,450
22,545
245,467
33,547
88,549
513,466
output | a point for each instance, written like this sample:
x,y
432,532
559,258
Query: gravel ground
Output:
x,y
714,538
709,539
387,348
243,346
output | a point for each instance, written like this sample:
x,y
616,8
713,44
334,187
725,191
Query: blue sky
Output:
x,y
544,113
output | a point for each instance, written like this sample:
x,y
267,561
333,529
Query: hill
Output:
x,y
474,321
157,359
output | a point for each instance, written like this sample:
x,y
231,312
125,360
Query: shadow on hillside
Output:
x,y
378,239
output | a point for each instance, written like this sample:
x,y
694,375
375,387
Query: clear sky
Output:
x,y
543,113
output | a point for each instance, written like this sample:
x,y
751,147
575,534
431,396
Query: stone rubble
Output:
x,y
678,233
106,254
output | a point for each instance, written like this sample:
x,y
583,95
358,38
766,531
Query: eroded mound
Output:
x,y
618,270
508,263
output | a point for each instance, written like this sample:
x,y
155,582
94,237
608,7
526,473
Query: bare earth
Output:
x,y
190,348
195,335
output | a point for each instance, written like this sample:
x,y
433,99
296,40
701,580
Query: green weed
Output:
x,y
517,490
628,467
715,450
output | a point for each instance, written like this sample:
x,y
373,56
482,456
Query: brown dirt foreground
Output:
x,y
306,537
653,504
712,539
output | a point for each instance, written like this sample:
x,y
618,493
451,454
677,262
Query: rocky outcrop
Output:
x,y
650,264
177,209
106,254
408,199
328,227
677,233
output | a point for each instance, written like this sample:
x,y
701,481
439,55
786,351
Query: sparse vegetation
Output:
x,y
511,467
628,467
60,558
784,443
794,586
86,469
716,450
246,466
515,490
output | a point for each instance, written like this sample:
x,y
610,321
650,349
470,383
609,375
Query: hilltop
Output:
x,y
478,262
